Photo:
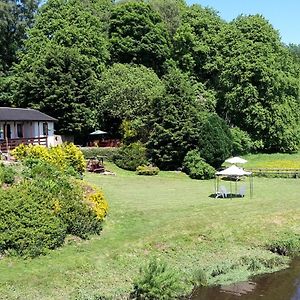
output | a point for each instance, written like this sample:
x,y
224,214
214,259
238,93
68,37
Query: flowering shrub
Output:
x,y
62,156
38,212
99,204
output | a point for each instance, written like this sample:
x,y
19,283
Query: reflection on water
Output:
x,y
282,285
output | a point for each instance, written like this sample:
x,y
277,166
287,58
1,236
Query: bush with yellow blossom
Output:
x,y
62,156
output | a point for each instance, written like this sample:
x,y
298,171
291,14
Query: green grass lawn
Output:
x,y
169,216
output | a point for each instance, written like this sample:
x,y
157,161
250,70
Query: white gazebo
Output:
x,y
236,160
233,173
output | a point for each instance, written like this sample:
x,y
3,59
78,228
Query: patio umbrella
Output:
x,y
236,160
98,132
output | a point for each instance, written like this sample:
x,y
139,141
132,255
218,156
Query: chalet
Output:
x,y
25,126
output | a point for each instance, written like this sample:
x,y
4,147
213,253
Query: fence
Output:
x,y
275,172
13,143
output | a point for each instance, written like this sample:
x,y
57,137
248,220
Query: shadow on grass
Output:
x,y
229,196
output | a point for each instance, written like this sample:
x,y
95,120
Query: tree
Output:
x,y
61,64
171,12
214,139
126,94
16,16
173,122
195,43
258,84
138,35
127,91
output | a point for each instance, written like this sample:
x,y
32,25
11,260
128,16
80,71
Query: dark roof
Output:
x,y
23,114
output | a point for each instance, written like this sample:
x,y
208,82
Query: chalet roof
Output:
x,y
23,114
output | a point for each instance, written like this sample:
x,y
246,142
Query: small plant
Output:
x,y
200,278
157,281
195,166
147,170
7,174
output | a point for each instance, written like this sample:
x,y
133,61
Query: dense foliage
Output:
x,y
47,204
157,281
15,18
129,157
150,71
138,34
215,140
195,166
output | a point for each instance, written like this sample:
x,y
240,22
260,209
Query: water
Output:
x,y
282,285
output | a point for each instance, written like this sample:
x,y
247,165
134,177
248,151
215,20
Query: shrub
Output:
x,y
156,281
27,226
147,170
7,174
195,166
92,152
60,191
62,156
37,213
242,143
131,156
215,140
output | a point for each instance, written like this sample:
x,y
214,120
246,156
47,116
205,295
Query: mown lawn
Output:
x,y
169,216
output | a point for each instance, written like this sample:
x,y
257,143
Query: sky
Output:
x,y
284,15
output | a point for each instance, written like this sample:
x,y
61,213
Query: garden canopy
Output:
x,y
233,171
236,160
98,132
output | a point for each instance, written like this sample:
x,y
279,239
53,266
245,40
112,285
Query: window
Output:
x,y
45,128
20,130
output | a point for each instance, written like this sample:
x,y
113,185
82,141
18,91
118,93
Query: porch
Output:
x,y
11,144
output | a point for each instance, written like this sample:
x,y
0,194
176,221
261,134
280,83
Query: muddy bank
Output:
x,y
281,285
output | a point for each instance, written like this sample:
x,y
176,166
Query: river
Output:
x,y
282,285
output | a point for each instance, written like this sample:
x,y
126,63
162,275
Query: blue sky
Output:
x,y
284,15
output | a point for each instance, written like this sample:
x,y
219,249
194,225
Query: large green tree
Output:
x,y
138,35
171,12
61,63
173,121
195,43
127,93
258,84
16,16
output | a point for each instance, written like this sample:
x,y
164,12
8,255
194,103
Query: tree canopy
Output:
x,y
174,77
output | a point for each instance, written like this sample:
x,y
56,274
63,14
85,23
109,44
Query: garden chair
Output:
x,y
222,193
242,191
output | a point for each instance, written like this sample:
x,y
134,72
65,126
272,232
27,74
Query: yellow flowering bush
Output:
x,y
99,204
61,156
32,151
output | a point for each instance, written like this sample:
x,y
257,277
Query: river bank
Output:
x,y
283,284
